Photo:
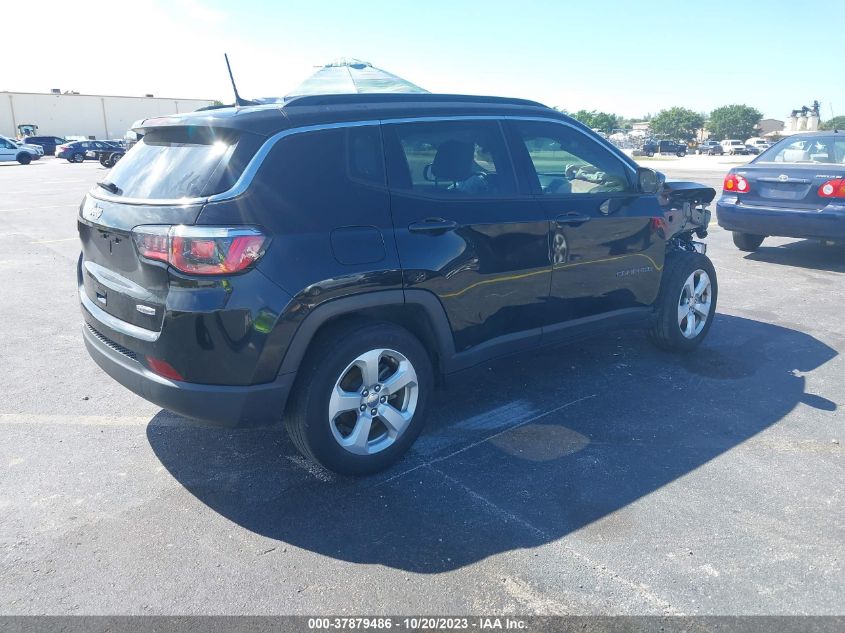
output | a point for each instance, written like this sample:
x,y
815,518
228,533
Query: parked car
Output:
x,y
323,262
752,149
652,147
710,148
47,143
734,146
11,150
796,188
758,143
110,156
79,151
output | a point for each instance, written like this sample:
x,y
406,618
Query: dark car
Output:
x,y
711,148
112,154
325,262
796,188
79,151
48,143
652,147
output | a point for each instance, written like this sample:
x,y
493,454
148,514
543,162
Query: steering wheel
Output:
x,y
571,172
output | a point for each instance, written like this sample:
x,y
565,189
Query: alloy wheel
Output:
x,y
694,304
373,401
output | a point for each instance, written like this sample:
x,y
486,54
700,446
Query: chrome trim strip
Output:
x,y
114,323
245,179
100,194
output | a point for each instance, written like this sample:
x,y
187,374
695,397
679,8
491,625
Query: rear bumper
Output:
x,y
218,405
828,224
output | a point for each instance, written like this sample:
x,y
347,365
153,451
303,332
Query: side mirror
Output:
x,y
648,180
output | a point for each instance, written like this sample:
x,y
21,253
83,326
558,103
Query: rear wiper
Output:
x,y
109,186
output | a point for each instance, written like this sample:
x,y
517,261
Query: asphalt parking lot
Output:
x,y
601,477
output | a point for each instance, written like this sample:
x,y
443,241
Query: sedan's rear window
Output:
x,y
176,162
806,149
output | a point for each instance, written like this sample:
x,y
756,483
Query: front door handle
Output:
x,y
572,218
432,225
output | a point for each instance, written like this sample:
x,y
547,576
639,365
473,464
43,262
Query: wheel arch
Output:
x,y
418,311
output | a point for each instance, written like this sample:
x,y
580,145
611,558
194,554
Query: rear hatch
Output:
x,y
790,174
163,180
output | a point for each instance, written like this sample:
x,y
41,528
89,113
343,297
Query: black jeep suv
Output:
x,y
323,262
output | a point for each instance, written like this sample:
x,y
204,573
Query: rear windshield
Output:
x,y
177,162
808,149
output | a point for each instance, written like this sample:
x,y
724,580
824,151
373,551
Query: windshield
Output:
x,y
177,162
807,149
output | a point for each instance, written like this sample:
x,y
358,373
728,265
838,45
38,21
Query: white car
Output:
x,y
734,146
758,143
10,149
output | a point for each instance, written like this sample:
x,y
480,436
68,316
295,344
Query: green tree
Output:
x,y
679,123
836,123
604,121
733,121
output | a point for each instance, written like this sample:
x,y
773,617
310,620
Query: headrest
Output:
x,y
453,161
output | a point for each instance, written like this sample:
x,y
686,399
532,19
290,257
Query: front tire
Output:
x,y
24,159
686,303
361,397
747,241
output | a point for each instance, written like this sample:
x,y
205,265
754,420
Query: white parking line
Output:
x,y
46,206
518,424
82,420
64,239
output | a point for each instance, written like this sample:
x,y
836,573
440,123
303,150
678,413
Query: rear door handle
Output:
x,y
432,225
572,218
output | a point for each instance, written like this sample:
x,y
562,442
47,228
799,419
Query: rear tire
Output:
x,y
77,158
686,303
324,417
747,241
24,159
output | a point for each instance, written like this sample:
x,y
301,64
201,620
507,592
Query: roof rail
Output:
x,y
405,97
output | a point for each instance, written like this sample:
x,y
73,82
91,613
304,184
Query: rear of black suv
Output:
x,y
243,265
176,309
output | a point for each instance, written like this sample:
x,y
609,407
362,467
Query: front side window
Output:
x,y
452,158
567,161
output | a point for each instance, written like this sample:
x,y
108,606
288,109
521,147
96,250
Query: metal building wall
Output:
x,y
84,115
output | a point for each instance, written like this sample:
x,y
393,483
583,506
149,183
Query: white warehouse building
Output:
x,y
91,116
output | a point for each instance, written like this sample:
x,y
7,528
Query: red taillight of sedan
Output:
x,y
833,188
735,183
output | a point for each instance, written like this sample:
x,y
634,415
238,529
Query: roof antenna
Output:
x,y
238,100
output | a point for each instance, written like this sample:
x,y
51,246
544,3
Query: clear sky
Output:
x,y
627,57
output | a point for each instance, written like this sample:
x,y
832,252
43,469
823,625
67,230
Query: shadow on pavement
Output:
x,y
593,427
803,254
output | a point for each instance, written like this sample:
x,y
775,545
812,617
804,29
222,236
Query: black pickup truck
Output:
x,y
652,147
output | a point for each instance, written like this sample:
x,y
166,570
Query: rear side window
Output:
x,y
177,162
365,161
450,158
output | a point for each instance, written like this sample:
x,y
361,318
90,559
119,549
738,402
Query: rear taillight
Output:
x,y
833,188
735,183
201,250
